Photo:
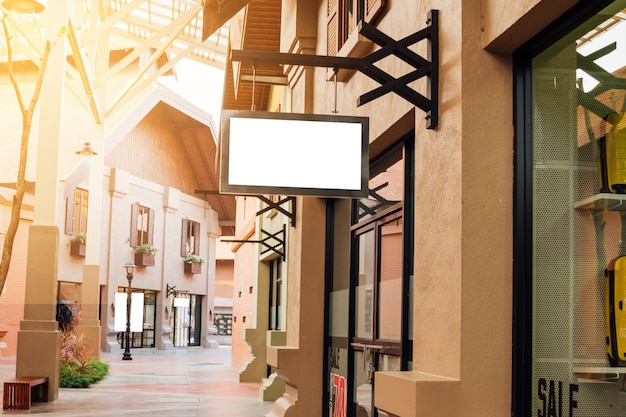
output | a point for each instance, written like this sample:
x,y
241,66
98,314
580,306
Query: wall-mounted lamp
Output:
x,y
86,150
23,6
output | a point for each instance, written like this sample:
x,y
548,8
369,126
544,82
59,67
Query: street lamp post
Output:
x,y
130,268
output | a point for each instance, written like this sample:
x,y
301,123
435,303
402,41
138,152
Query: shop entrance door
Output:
x,y
378,307
186,319
370,302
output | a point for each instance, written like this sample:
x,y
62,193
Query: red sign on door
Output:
x,y
339,385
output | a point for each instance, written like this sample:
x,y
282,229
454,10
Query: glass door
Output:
x,y
186,319
369,298
378,308
381,271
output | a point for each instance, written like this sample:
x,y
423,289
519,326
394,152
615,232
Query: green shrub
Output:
x,y
72,375
75,369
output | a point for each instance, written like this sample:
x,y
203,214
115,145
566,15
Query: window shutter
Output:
x,y
151,227
184,238
372,9
196,238
134,212
69,215
332,27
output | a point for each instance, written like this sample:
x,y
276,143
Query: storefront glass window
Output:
x,y
578,177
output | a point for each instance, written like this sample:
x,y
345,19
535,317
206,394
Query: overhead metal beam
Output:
x,y
108,22
85,77
177,27
261,79
169,33
306,60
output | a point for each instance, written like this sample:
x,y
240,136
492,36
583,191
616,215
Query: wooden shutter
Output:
x,y
151,227
69,215
134,212
373,8
196,238
184,237
332,28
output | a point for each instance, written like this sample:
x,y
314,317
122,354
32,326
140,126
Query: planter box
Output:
x,y
192,268
77,249
143,259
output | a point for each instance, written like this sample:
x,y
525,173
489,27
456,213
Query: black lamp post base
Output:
x,y
127,357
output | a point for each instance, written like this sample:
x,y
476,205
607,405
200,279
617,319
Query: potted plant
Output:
x,y
78,243
144,255
193,263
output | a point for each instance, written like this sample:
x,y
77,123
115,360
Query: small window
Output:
x,y
141,225
76,212
343,18
190,238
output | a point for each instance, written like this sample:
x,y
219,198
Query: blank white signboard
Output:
x,y
294,154
136,312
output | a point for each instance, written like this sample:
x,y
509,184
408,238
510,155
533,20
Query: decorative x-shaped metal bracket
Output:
x,y
423,66
271,205
379,202
274,242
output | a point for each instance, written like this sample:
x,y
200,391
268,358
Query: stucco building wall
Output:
x,y
463,199
245,279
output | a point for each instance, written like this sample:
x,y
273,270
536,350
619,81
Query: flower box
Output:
x,y
192,268
77,248
143,259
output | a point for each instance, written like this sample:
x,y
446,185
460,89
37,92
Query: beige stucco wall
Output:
x,y
245,277
463,198
507,25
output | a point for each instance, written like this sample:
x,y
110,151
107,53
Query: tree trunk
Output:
x,y
27,120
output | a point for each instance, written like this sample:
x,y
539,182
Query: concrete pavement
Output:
x,y
179,382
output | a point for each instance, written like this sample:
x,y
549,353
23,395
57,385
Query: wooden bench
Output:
x,y
19,391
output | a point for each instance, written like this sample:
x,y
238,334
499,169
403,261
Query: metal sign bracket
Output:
x,y
422,66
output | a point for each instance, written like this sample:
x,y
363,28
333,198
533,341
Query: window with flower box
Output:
x,y
142,233
190,238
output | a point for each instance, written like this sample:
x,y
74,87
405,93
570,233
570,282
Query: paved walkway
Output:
x,y
182,382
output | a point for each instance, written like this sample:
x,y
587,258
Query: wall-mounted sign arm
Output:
x,y
271,205
171,290
278,242
274,242
423,66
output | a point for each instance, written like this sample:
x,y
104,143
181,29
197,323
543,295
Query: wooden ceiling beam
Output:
x,y
217,13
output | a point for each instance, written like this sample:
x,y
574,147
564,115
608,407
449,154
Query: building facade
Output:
x,y
471,281
143,207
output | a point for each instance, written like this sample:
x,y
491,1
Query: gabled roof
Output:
x,y
196,133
